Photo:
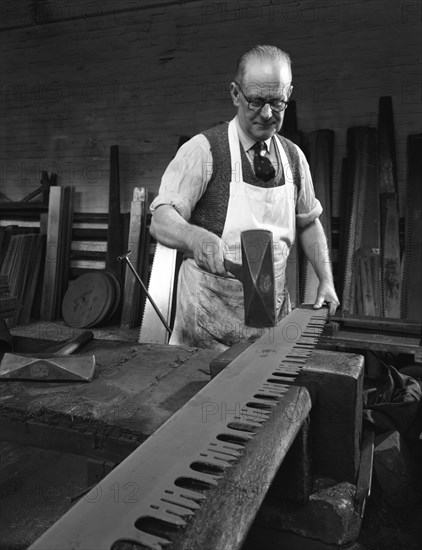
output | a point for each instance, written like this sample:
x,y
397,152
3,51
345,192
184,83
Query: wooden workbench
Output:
x,y
135,389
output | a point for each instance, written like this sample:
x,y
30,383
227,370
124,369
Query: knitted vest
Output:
x,y
211,210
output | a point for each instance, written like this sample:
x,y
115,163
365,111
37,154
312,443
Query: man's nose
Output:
x,y
266,111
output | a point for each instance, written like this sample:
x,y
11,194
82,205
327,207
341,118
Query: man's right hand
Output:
x,y
209,252
170,229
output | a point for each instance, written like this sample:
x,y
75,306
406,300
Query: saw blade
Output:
x,y
412,256
161,289
358,152
204,456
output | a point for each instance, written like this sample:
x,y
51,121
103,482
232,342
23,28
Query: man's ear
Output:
x,y
234,92
290,91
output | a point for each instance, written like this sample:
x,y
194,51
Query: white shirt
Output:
x,y
186,177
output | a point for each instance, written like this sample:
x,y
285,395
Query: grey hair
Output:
x,y
262,52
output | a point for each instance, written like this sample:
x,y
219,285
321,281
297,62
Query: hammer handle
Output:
x,y
234,268
76,343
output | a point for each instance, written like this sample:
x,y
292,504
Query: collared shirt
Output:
x,y
248,143
186,177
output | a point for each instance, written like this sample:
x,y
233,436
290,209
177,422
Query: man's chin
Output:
x,y
263,132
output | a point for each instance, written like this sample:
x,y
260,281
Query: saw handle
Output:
x,y
76,343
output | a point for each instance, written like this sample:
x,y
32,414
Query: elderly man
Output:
x,y
233,177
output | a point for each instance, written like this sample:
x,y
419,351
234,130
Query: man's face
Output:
x,y
267,80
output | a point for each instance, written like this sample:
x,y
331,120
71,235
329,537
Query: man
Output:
x,y
233,177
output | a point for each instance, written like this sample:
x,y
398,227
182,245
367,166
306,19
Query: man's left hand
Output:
x,y
327,294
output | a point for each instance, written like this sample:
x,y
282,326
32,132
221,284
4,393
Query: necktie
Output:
x,y
264,170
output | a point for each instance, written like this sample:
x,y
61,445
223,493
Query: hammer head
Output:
x,y
258,278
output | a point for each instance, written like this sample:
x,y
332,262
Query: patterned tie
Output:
x,y
264,170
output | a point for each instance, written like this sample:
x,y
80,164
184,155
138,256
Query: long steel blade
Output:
x,y
209,459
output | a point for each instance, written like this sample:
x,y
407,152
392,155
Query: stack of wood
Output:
x,y
361,265
56,266
21,266
376,275
8,303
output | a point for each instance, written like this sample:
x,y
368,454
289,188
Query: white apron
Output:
x,y
210,311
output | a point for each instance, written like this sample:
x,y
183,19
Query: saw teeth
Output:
x,y
161,287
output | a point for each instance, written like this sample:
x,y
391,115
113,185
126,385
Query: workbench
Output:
x,y
136,388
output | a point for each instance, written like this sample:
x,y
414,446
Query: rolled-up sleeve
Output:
x,y
186,177
308,207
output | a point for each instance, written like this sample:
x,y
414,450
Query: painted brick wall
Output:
x,y
78,77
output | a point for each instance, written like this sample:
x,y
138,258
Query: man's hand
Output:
x,y
327,294
170,229
208,252
315,246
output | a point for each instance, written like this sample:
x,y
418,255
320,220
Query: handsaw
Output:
x,y
359,141
57,366
161,289
412,258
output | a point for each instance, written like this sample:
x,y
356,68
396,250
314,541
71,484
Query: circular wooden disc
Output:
x,y
108,301
86,300
117,293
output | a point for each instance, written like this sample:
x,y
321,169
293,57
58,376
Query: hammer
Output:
x,y
59,366
256,273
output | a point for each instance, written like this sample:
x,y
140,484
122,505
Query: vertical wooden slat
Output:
x,y
358,155
411,293
60,216
136,244
387,146
64,247
36,307
390,256
390,245
370,242
320,155
114,230
52,254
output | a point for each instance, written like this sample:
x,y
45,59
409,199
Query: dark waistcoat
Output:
x,y
211,210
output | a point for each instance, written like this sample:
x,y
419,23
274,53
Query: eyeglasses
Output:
x,y
256,104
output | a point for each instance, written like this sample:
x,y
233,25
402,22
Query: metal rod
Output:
x,y
140,281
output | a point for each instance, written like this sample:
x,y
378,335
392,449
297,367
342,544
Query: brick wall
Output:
x,y
78,77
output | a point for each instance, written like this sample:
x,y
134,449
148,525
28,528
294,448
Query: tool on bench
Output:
x,y
140,281
257,276
57,366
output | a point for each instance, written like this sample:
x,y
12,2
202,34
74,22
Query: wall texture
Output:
x,y
78,77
